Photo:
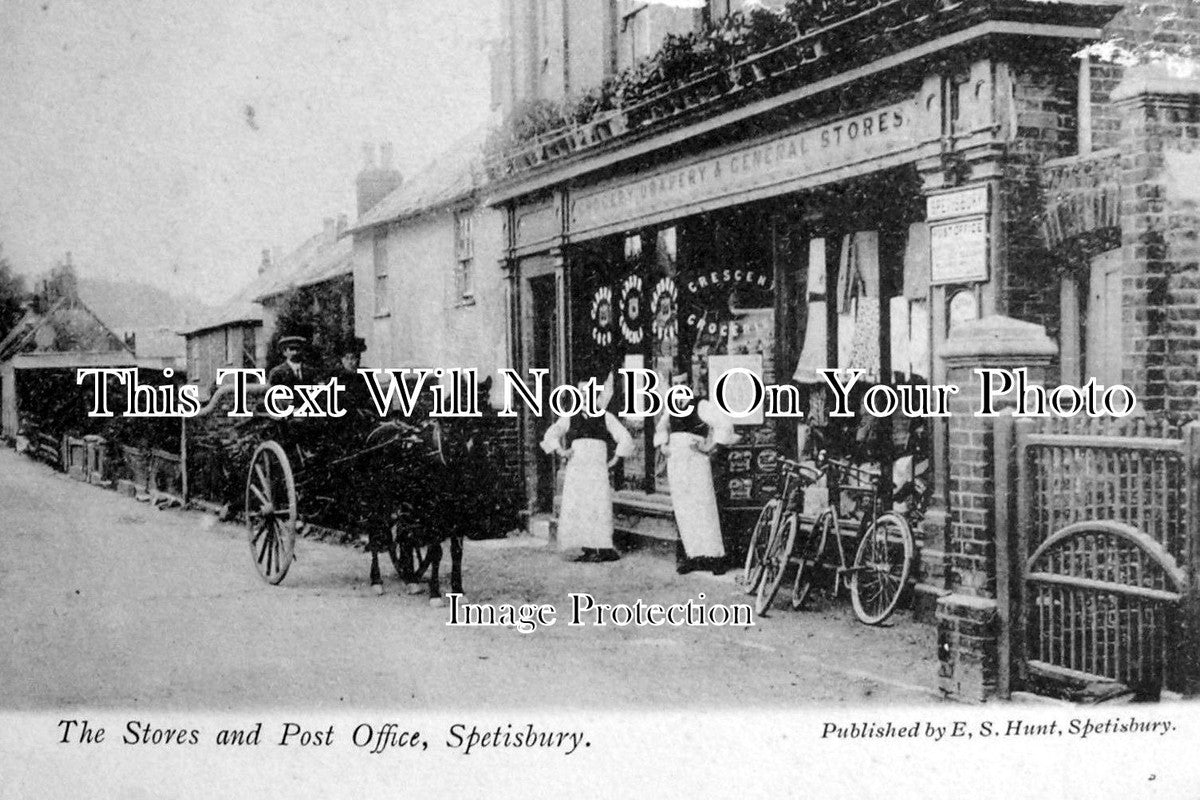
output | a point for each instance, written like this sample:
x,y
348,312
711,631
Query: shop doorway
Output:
x,y
542,353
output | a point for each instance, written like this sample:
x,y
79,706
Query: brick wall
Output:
x,y
1168,27
970,548
1160,139
1044,100
968,618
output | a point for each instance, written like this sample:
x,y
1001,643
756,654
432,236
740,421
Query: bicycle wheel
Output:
x,y
808,558
758,545
881,568
775,561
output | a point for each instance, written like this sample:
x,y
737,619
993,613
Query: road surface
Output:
x,y
111,603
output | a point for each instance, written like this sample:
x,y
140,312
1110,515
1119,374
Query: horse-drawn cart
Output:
x,y
409,485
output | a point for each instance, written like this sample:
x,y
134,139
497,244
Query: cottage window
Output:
x,y
381,273
464,256
249,346
229,348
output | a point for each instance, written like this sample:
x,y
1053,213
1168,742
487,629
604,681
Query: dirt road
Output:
x,y
108,602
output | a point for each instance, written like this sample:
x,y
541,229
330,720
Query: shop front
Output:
x,y
798,252
849,226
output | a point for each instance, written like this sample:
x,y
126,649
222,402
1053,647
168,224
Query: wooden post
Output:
x,y
183,458
1002,443
1188,647
1022,429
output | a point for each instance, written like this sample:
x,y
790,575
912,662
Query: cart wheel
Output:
x,y
775,562
271,511
758,545
407,558
809,555
881,568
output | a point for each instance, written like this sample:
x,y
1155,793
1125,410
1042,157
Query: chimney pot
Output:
x,y
343,222
266,261
385,155
368,155
330,228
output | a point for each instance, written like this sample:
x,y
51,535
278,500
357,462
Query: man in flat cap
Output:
x,y
293,371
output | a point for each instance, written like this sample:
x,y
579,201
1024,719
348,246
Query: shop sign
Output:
x,y
959,203
843,143
959,251
602,316
631,309
664,301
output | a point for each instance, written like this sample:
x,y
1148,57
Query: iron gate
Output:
x,y
1100,557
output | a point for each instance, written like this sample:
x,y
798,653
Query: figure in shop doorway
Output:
x,y
688,442
586,518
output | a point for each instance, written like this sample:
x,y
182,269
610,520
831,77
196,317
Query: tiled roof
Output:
x,y
454,174
317,260
71,326
240,308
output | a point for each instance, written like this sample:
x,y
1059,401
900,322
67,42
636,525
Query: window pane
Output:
x,y
381,305
380,254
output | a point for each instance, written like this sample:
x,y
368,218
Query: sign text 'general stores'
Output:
x,y
837,144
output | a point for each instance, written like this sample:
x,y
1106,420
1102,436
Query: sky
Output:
x,y
170,141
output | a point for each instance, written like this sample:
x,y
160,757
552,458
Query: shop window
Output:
x,y
464,257
379,261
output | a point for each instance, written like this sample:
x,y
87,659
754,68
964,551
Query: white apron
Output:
x,y
690,475
585,519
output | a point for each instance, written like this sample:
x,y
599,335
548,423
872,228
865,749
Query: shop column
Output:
x,y
969,618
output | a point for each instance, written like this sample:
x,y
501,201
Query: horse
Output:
x,y
439,472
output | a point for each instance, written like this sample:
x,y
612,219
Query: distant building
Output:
x,y
226,337
240,333
38,363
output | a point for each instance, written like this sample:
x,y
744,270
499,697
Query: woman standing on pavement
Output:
x,y
586,520
688,442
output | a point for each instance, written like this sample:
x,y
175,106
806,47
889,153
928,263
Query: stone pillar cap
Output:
x,y
997,335
1171,76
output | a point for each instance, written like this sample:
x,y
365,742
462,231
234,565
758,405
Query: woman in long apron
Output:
x,y
586,519
688,442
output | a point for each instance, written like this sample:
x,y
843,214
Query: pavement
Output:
x,y
109,602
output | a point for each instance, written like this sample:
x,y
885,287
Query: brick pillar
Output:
x,y
1160,145
968,618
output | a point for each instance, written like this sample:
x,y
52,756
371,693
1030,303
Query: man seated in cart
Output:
x,y
293,371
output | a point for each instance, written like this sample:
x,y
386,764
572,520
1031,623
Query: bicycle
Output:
x,y
774,534
883,559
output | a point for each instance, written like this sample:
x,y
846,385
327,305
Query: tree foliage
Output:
x,y
324,314
13,295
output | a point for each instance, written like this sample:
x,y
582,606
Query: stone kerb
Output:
x,y
968,618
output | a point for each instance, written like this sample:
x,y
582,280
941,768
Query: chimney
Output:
x,y
342,223
266,261
376,182
331,231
